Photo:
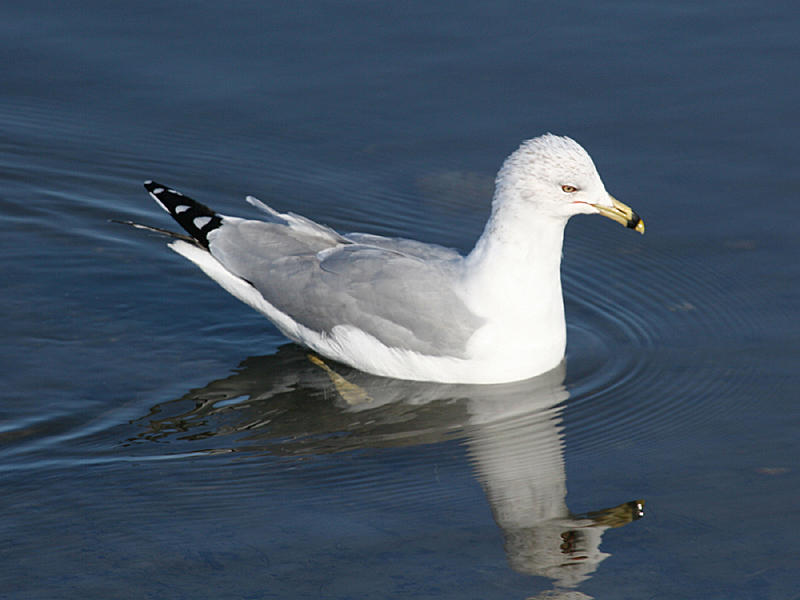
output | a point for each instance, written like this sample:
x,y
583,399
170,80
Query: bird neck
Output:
x,y
512,278
520,250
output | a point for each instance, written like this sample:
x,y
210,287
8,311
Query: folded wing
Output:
x,y
403,296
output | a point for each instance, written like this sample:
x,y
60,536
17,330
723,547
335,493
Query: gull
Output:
x,y
406,309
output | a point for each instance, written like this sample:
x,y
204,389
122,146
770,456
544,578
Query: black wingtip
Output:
x,y
197,219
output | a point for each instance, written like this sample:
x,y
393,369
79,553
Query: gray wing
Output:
x,y
406,299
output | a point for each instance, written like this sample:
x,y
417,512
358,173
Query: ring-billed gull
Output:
x,y
406,309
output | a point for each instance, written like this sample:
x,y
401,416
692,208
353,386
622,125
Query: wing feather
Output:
x,y
321,279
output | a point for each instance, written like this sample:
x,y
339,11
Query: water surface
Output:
x,y
159,439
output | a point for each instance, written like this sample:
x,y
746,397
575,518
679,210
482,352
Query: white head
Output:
x,y
555,177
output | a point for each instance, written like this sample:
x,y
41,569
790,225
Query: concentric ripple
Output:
x,y
648,350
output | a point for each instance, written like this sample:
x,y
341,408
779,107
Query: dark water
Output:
x,y
160,440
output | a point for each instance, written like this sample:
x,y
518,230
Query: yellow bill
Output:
x,y
621,213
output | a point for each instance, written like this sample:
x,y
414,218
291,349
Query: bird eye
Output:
x,y
569,188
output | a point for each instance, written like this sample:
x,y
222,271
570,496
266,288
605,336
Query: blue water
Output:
x,y
160,440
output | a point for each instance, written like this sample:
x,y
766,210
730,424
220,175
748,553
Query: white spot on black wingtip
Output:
x,y
158,190
201,222
149,182
181,208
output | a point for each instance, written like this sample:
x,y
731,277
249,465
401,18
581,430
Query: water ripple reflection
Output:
x,y
297,407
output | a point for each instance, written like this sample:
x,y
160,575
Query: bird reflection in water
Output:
x,y
294,404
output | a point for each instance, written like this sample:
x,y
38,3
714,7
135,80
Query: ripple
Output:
x,y
646,352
